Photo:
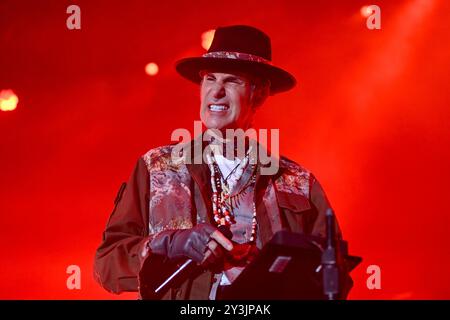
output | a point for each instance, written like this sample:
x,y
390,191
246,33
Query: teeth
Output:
x,y
218,107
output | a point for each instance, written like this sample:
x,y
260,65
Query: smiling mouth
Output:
x,y
218,107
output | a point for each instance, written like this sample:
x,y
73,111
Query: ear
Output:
x,y
259,94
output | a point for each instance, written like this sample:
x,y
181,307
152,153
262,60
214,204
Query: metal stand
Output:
x,y
329,261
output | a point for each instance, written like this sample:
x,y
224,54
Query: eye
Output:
x,y
235,81
209,77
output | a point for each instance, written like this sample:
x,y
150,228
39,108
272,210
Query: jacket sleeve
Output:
x,y
321,204
119,257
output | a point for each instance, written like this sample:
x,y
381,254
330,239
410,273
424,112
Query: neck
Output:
x,y
230,148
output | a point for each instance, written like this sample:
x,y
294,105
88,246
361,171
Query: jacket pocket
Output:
x,y
297,213
293,202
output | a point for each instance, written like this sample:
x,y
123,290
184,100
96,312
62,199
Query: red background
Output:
x,y
369,117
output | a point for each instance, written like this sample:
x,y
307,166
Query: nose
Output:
x,y
218,90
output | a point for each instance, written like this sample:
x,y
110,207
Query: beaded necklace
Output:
x,y
221,197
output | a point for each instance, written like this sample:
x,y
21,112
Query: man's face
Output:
x,y
225,101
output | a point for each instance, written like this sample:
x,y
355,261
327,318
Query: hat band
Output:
x,y
236,56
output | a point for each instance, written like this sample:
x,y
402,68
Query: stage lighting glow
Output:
x,y
366,11
8,100
207,38
151,69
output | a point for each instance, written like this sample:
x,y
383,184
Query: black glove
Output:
x,y
188,243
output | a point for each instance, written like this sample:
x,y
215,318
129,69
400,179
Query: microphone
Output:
x,y
329,261
187,267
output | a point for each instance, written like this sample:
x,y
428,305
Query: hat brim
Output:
x,y
280,80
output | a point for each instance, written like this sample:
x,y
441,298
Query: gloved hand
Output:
x,y
190,243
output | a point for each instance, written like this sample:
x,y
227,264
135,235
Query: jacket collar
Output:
x,y
199,170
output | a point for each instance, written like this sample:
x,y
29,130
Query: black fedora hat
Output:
x,y
238,48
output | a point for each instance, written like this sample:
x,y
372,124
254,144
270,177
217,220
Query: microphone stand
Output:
x,y
330,269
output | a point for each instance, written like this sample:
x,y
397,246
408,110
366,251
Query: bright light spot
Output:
x,y
207,38
8,100
151,69
366,11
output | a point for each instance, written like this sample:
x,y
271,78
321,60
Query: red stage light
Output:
x,y
8,100
366,11
151,69
207,38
